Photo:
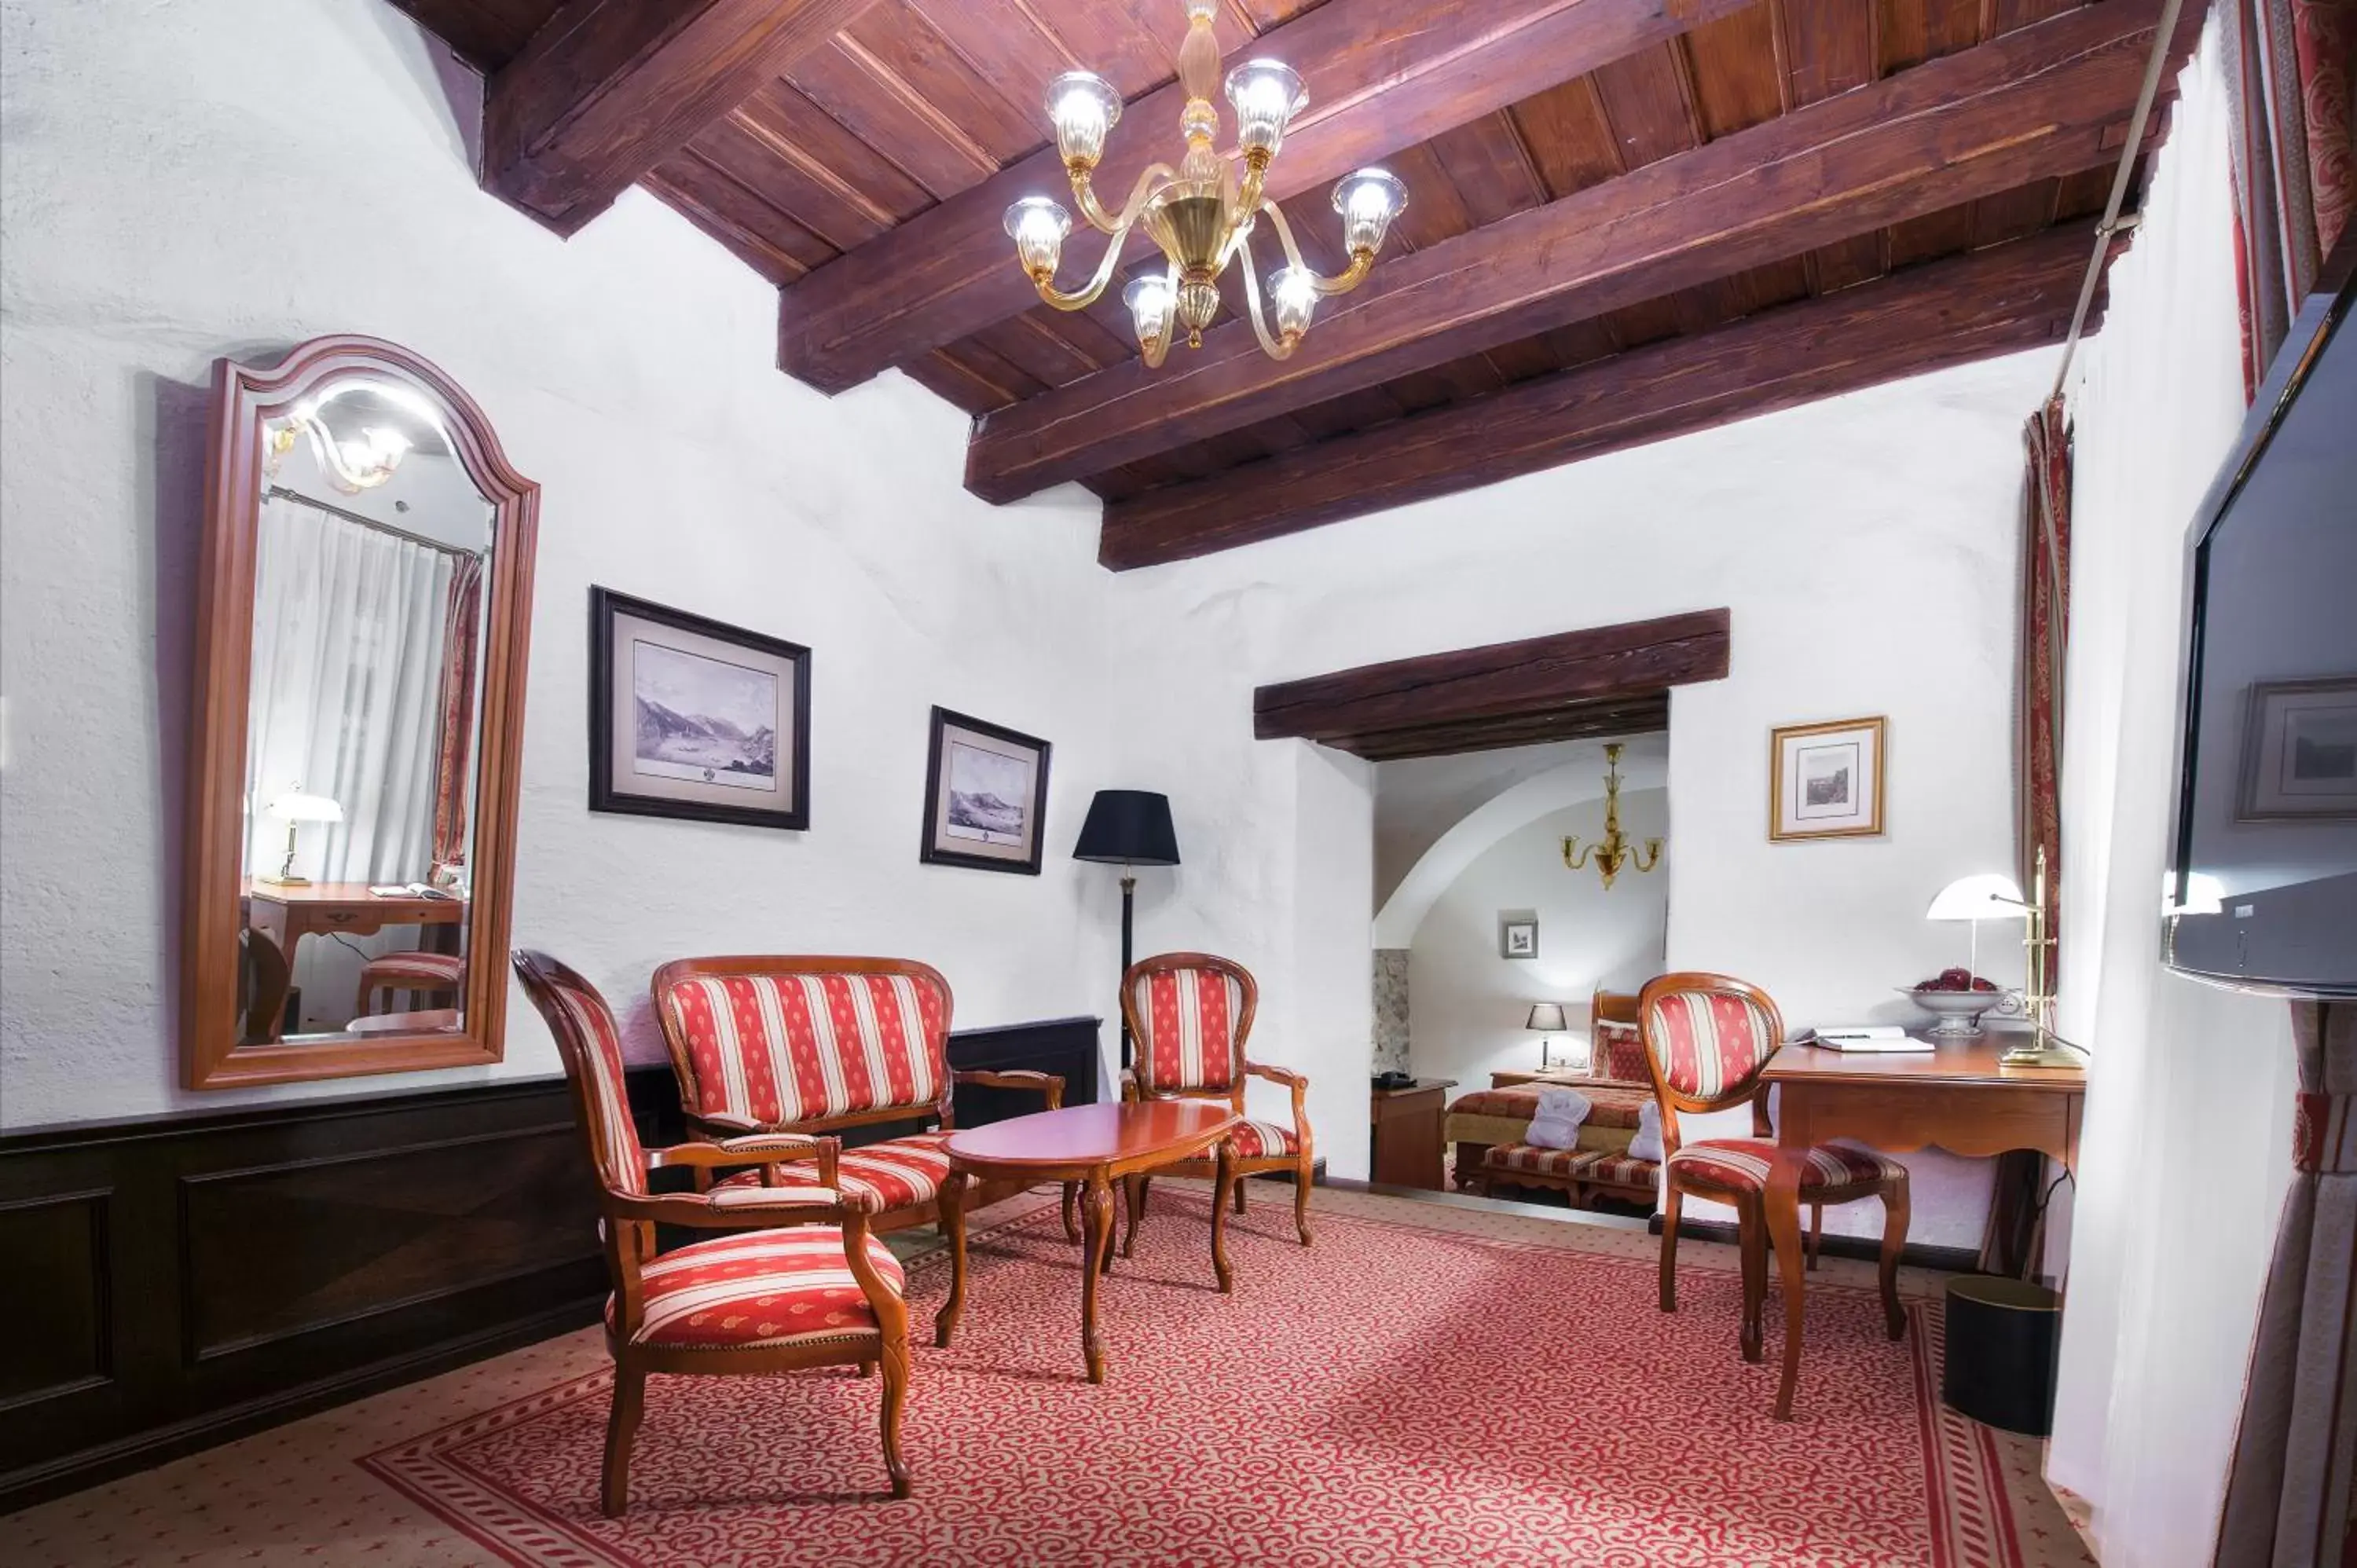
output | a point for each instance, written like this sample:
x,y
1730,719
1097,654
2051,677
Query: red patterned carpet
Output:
x,y
1395,1394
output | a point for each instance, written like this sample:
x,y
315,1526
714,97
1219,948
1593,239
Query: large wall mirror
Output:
x,y
361,642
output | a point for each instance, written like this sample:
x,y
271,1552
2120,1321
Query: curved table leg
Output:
x,y
1227,1184
953,1213
1096,1216
1784,1214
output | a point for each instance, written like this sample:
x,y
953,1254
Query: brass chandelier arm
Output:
x,y
1360,264
1156,177
1091,292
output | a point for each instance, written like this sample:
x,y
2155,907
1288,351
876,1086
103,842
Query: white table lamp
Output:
x,y
1988,897
295,808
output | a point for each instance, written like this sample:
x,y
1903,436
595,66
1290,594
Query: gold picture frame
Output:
x,y
1825,780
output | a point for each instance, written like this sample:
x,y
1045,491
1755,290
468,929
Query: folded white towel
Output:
x,y
1557,1126
1647,1144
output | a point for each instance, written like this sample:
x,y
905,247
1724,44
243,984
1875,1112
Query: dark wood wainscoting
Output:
x,y
176,1282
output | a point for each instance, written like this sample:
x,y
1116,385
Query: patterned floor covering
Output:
x,y
1425,1385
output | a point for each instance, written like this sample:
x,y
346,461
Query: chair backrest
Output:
x,y
806,1042
1616,1043
592,1049
1190,1014
1708,1039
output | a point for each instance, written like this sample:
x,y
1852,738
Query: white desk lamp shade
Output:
x,y
296,807
1988,897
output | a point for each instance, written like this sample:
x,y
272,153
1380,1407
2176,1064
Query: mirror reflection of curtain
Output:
x,y
348,692
462,641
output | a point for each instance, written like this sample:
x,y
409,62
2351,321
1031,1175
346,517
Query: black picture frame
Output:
x,y
930,850
605,605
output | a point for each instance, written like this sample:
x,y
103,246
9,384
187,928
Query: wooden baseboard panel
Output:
x,y
179,1281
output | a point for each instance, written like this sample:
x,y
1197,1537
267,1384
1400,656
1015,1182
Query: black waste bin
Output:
x,y
2004,1336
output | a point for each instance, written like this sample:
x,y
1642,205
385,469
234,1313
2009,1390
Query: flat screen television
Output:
x,y
2263,881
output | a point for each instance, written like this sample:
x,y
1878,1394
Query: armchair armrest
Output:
x,y
765,1149
721,1121
1050,1086
1283,1075
744,1208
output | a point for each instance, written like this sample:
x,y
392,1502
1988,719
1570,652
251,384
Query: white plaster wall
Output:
x,y
1419,799
1867,547
172,196
1467,1003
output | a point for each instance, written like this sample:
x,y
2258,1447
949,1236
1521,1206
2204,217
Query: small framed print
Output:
x,y
1518,938
2300,752
695,719
1825,781
985,796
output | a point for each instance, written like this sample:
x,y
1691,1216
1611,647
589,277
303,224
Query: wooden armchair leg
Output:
x,y
1239,1196
1301,1174
1894,1241
1671,1204
1133,1191
896,1394
1751,1236
1816,1232
1072,1212
621,1429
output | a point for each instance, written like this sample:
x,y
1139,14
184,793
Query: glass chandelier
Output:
x,y
1202,213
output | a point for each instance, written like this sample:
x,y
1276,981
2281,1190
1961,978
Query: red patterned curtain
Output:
x,y
2287,1497
2291,64
2014,1240
454,754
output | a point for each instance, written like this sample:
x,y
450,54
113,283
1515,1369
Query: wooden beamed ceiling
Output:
x,y
1627,219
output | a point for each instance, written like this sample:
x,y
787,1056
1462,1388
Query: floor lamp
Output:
x,y
1128,828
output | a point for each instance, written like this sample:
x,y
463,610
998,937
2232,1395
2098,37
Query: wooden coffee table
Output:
x,y
1095,1146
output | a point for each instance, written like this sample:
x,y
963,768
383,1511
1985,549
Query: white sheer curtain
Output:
x,y
2185,1152
345,699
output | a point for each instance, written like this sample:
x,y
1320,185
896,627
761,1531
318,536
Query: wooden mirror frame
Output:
x,y
212,1052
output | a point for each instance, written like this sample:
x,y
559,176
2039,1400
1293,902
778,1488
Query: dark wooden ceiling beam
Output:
x,y
1581,720
2038,102
1384,75
608,89
1611,675
2014,296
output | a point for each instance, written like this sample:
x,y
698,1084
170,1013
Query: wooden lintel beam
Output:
x,y
1634,662
608,89
2014,296
1586,721
1384,75
2033,104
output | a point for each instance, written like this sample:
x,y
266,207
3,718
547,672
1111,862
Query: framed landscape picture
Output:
x,y
1825,781
2299,751
1518,936
985,796
695,719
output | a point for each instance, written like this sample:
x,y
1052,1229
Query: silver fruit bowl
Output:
x,y
1959,1012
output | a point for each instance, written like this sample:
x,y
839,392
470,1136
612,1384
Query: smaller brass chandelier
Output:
x,y
1202,213
1613,851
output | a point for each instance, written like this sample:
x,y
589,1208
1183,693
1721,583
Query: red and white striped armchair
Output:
x,y
770,1044
802,1282
1708,1039
1190,1014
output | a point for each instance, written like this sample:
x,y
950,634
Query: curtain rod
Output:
x,y
2113,223
366,522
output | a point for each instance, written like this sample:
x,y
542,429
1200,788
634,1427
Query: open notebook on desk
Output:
x,y
1862,1039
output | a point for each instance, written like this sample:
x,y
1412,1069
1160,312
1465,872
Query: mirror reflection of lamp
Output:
x,y
295,808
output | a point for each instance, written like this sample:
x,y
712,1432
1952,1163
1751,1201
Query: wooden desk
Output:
x,y
1955,1097
287,914
1096,1146
1407,1147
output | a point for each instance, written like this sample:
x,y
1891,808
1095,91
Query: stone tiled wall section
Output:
x,y
1391,1009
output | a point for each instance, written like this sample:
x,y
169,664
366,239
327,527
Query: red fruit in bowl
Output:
x,y
1980,985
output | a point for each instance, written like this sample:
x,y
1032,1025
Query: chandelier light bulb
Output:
x,y
1037,225
1294,294
1150,300
1265,94
1083,108
1368,201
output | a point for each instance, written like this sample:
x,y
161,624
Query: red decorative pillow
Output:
x,y
1621,1055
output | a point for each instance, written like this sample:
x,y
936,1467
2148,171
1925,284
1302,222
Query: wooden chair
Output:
x,y
760,1302
767,1044
420,972
1190,1014
1708,1039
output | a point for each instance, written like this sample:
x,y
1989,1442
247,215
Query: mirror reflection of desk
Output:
x,y
287,914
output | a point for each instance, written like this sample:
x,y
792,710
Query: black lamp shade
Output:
x,y
1128,827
